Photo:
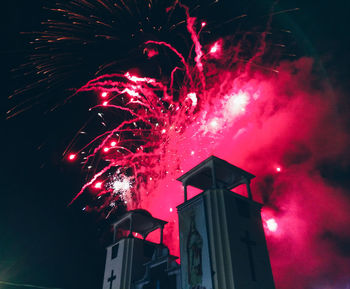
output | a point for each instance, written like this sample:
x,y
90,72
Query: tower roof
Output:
x,y
215,172
139,221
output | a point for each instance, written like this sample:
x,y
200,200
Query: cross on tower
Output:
x,y
246,239
111,279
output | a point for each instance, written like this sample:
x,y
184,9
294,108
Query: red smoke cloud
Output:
x,y
290,122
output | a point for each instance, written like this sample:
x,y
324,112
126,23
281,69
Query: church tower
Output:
x,y
222,241
127,256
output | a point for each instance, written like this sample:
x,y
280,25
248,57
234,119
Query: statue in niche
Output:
x,y
194,255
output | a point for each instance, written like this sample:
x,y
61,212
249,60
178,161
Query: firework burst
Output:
x,y
159,117
192,91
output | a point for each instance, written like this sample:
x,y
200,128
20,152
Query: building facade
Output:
x,y
222,241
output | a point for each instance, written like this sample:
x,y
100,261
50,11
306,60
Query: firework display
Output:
x,y
157,117
168,91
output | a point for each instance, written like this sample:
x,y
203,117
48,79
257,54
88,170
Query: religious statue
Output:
x,y
194,253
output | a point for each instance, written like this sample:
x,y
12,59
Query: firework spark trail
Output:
x,y
261,44
94,178
195,39
151,112
158,119
182,58
91,33
165,118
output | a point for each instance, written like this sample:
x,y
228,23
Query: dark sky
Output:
x,y
42,241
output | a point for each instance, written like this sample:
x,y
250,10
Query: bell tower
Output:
x,y
222,241
127,256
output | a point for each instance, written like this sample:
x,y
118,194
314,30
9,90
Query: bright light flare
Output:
x,y
269,221
193,97
104,94
98,185
236,104
72,157
215,48
272,225
228,110
121,185
214,123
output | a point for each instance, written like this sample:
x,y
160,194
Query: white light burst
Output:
x,y
121,185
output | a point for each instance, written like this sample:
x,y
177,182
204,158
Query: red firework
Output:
x,y
150,144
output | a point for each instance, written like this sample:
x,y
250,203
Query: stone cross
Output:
x,y
111,279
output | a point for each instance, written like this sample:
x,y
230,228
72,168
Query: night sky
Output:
x,y
46,243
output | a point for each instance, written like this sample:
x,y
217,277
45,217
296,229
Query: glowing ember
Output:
x,y
214,48
104,94
113,143
193,97
278,169
272,225
72,157
151,52
134,78
98,185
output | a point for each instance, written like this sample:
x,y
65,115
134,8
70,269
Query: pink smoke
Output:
x,y
288,121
